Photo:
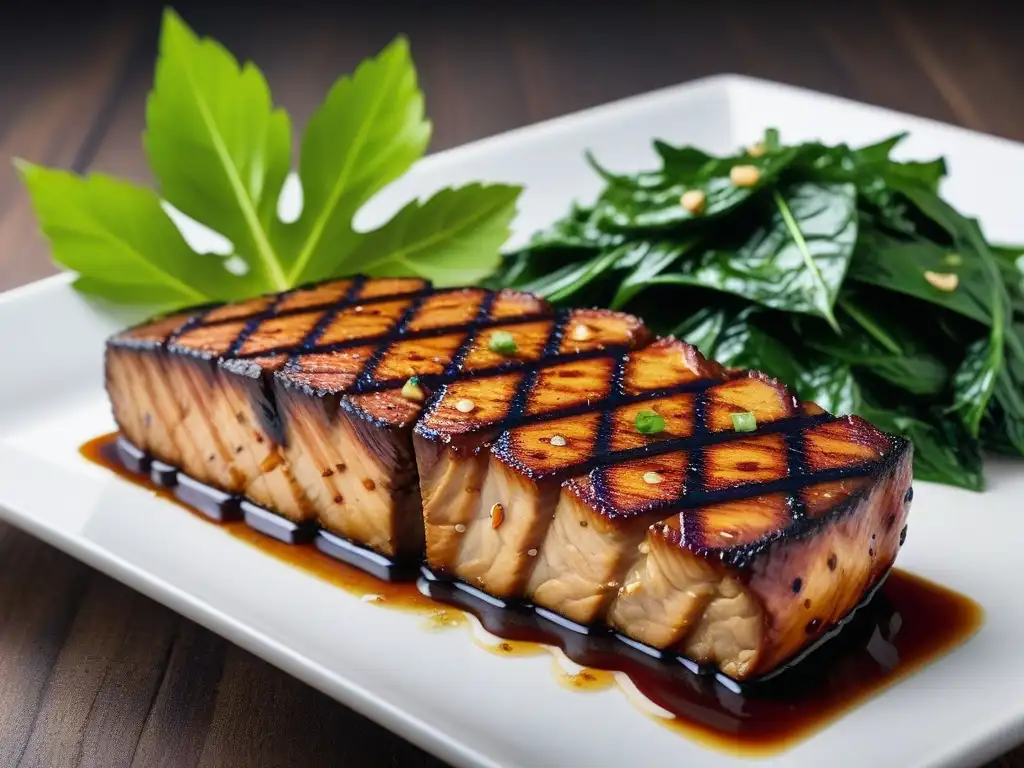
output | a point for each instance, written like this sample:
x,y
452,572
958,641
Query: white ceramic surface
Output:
x,y
436,688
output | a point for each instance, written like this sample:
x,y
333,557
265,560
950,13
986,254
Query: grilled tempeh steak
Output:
x,y
385,411
295,400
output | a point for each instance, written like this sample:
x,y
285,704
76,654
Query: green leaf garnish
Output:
x,y
121,242
649,423
744,422
503,343
221,151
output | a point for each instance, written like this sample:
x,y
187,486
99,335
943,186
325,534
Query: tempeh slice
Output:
x,y
512,445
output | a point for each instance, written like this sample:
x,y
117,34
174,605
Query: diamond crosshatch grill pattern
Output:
x,y
581,375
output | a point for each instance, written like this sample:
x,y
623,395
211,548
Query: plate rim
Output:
x,y
1001,736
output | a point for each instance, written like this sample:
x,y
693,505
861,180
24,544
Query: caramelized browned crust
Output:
x,y
661,534
523,471
312,378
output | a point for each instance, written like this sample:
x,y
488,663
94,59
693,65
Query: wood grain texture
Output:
x,y
93,674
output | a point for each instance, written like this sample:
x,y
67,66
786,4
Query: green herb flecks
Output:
x,y
649,423
503,343
744,422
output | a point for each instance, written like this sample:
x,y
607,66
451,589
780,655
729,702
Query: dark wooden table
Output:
x,y
93,674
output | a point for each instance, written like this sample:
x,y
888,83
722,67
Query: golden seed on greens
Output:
x,y
693,200
943,281
744,175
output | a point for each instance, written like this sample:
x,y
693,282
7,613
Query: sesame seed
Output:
x,y
757,150
632,587
531,552
643,547
465,405
652,478
693,200
725,534
581,332
558,441
459,527
744,175
943,281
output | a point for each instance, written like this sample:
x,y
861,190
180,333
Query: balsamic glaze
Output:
x,y
907,623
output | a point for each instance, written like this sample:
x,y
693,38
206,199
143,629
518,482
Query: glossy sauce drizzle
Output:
x,y
908,623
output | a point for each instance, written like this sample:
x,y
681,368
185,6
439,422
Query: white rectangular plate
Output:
x,y
436,688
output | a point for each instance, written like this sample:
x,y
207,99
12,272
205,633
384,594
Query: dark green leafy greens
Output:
x,y
839,270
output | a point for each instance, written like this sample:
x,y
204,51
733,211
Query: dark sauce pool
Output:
x,y
908,623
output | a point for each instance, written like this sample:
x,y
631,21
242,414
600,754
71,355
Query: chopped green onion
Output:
x,y
503,343
649,423
744,422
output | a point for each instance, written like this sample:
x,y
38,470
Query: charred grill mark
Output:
x,y
509,366
694,483
695,444
325,320
426,333
156,333
833,459
193,322
351,298
607,423
521,399
797,455
366,377
253,323
786,485
743,556
604,431
200,315
483,315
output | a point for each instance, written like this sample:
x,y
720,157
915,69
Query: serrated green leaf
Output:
x,y
369,131
452,238
116,234
218,148
221,152
150,299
